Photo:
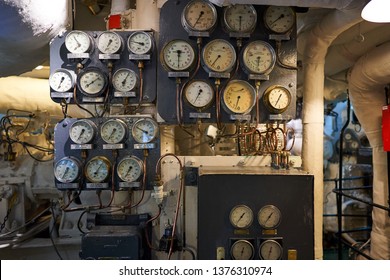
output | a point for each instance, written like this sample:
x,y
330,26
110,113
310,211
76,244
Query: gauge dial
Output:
x,y
178,55
78,42
240,18
124,80
130,169
199,15
97,169
199,94
67,170
279,19
241,216
109,42
92,81
113,131
269,216
62,80
219,56
242,250
144,130
82,131
270,250
259,57
239,97
140,43
277,99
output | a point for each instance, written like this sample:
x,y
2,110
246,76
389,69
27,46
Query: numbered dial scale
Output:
x,y
199,16
140,43
92,81
241,216
199,94
144,130
67,170
109,42
78,42
62,80
277,99
242,250
125,80
97,169
113,131
270,250
130,169
239,97
177,55
279,19
258,57
240,18
218,56
82,131
269,217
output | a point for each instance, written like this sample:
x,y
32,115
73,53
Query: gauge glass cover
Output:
x,y
109,42
269,216
67,170
242,250
270,250
199,94
199,15
219,56
241,216
259,57
279,19
78,41
97,170
140,43
178,55
239,97
144,130
130,169
82,131
92,82
240,18
62,80
124,80
277,99
113,131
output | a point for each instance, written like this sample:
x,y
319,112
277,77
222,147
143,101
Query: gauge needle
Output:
x,y
97,170
269,217
199,93
218,57
78,43
280,95
242,251
279,18
241,217
66,171
269,252
112,133
238,99
109,43
62,79
81,133
128,170
87,85
144,131
200,15
136,42
178,57
124,80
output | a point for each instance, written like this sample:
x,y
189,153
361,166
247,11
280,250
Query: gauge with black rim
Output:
x,y
277,99
177,55
125,80
109,42
199,16
67,170
62,80
130,169
270,250
218,56
258,57
77,42
199,94
140,42
279,19
238,97
92,81
240,18
82,131
113,131
242,250
144,130
97,169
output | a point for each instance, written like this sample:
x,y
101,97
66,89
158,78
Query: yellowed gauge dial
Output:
x,y
270,250
219,56
82,131
199,16
239,97
199,94
140,42
124,80
241,216
113,131
240,18
62,80
242,250
277,99
97,169
178,55
109,42
269,217
258,57
144,130
279,19
67,170
130,169
77,41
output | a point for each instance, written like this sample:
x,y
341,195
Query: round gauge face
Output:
x,y
240,18
78,42
109,42
178,55
219,56
144,130
130,169
199,15
82,131
67,170
140,43
242,250
239,97
279,19
269,217
92,82
62,80
270,250
241,216
97,170
113,131
124,80
259,57
277,99
199,94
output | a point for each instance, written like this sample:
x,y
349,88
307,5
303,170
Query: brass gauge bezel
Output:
x,y
107,165
231,11
229,91
242,244
266,57
270,21
82,40
147,43
269,217
75,165
122,131
124,176
241,216
212,53
275,247
89,124
204,89
269,101
110,48
179,46
206,8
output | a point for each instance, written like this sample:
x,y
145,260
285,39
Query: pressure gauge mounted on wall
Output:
x,y
258,57
279,19
199,18
240,19
277,99
219,56
92,81
177,55
78,43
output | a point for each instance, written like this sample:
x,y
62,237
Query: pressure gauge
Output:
x,y
219,56
240,18
62,80
124,80
269,217
177,55
258,57
78,42
279,19
242,250
270,250
277,99
140,42
239,97
97,169
113,131
241,216
82,131
67,170
130,169
199,16
199,94
92,81
109,42
144,130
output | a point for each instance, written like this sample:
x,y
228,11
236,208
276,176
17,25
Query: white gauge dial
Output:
x,y
97,169
279,19
219,56
242,250
67,170
199,94
130,169
140,43
269,217
199,15
178,55
277,99
82,131
109,42
270,250
240,18
241,216
144,130
259,57
62,80
92,81
113,131
124,80
78,42
239,97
